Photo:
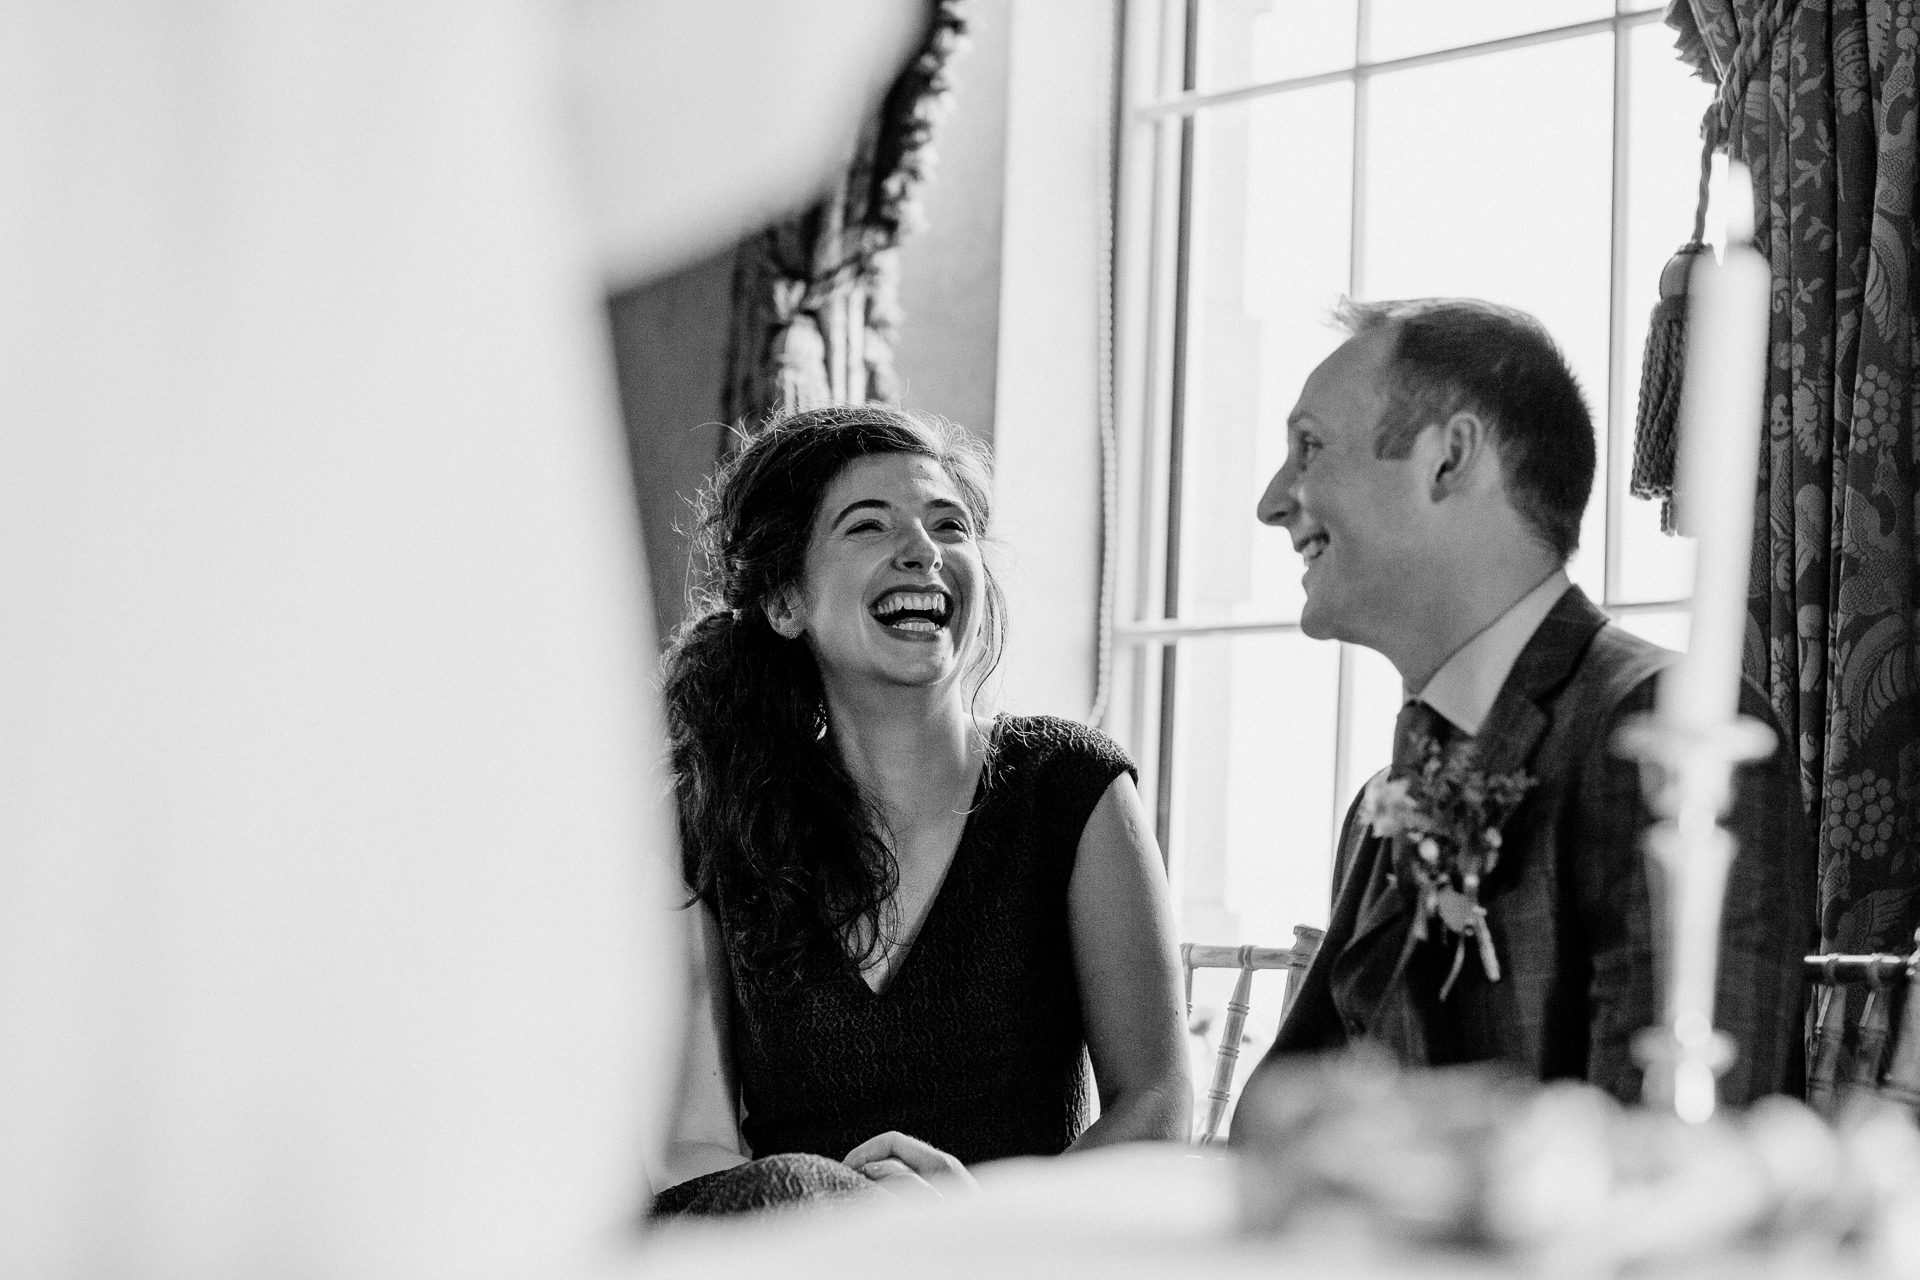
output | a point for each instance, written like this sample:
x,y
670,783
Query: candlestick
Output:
x,y
1687,773
1689,750
1721,406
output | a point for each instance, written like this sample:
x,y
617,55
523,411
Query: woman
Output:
x,y
917,921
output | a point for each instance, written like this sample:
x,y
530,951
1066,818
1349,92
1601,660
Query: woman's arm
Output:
x,y
706,1128
1129,970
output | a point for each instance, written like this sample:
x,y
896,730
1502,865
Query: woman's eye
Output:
x,y
863,526
955,526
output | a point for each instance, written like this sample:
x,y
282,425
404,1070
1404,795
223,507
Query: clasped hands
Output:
x,y
910,1168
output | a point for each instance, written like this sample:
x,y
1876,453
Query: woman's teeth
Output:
x,y
922,602
912,611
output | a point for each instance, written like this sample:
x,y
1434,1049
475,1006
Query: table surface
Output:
x,y
1125,1212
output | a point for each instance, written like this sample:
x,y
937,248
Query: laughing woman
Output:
x,y
919,923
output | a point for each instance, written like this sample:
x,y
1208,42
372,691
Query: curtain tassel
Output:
x,y
800,366
1657,427
1656,432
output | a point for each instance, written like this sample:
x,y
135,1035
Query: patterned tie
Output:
x,y
1416,720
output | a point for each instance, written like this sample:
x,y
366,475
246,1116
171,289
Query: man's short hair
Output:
x,y
1454,354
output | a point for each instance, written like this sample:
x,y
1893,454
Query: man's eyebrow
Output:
x,y
862,504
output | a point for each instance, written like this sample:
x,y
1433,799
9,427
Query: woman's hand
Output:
x,y
909,1167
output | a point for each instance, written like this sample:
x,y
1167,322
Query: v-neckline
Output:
x,y
936,904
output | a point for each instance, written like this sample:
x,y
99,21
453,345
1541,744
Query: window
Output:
x,y
1277,154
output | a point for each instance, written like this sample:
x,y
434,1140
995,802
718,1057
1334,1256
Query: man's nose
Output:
x,y
1277,503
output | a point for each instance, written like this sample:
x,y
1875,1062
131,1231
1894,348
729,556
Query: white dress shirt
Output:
x,y
1464,688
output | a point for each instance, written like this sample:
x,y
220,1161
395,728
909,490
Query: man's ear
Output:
x,y
1464,443
783,614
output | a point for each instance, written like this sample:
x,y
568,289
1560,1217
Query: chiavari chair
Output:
x,y
1885,980
1292,961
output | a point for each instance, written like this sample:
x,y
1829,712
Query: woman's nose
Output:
x,y
917,549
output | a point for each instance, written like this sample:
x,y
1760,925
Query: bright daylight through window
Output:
x,y
1277,154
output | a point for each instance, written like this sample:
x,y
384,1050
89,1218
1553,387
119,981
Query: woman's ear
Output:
x,y
783,614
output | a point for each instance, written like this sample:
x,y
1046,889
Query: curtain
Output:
x,y
1826,120
815,304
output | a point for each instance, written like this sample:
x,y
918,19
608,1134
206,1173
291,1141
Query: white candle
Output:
x,y
1720,416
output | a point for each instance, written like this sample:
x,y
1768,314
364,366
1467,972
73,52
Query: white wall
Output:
x,y
1046,436
947,349
670,350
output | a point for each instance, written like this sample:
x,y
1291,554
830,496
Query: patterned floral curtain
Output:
x,y
1827,123
815,297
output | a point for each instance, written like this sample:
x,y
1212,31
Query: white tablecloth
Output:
x,y
1149,1210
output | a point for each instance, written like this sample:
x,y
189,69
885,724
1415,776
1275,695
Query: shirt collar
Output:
x,y
1466,685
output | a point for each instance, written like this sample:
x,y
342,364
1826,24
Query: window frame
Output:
x,y
1154,197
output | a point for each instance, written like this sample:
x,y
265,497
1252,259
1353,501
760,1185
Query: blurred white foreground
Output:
x,y
334,870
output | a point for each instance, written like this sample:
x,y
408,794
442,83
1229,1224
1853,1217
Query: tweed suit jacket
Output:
x,y
1569,904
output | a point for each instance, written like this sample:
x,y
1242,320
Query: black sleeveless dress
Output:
x,y
976,1045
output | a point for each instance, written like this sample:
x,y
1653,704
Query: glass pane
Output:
x,y
1271,186
1467,196
1253,785
1253,757
1663,175
1257,41
1668,628
1402,28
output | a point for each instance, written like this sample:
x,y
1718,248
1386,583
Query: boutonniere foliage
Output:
x,y
1444,820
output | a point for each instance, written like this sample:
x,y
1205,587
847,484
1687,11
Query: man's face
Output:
x,y
1366,526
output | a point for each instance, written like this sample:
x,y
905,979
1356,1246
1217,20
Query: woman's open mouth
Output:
x,y
922,611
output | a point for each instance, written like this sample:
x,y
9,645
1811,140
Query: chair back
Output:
x,y
1292,961
1881,981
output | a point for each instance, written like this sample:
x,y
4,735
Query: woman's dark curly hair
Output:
x,y
775,834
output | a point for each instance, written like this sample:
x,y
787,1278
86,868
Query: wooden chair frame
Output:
x,y
1292,961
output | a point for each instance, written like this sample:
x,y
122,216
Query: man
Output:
x,y
1438,465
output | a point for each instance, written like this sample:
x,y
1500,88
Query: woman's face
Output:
x,y
893,586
